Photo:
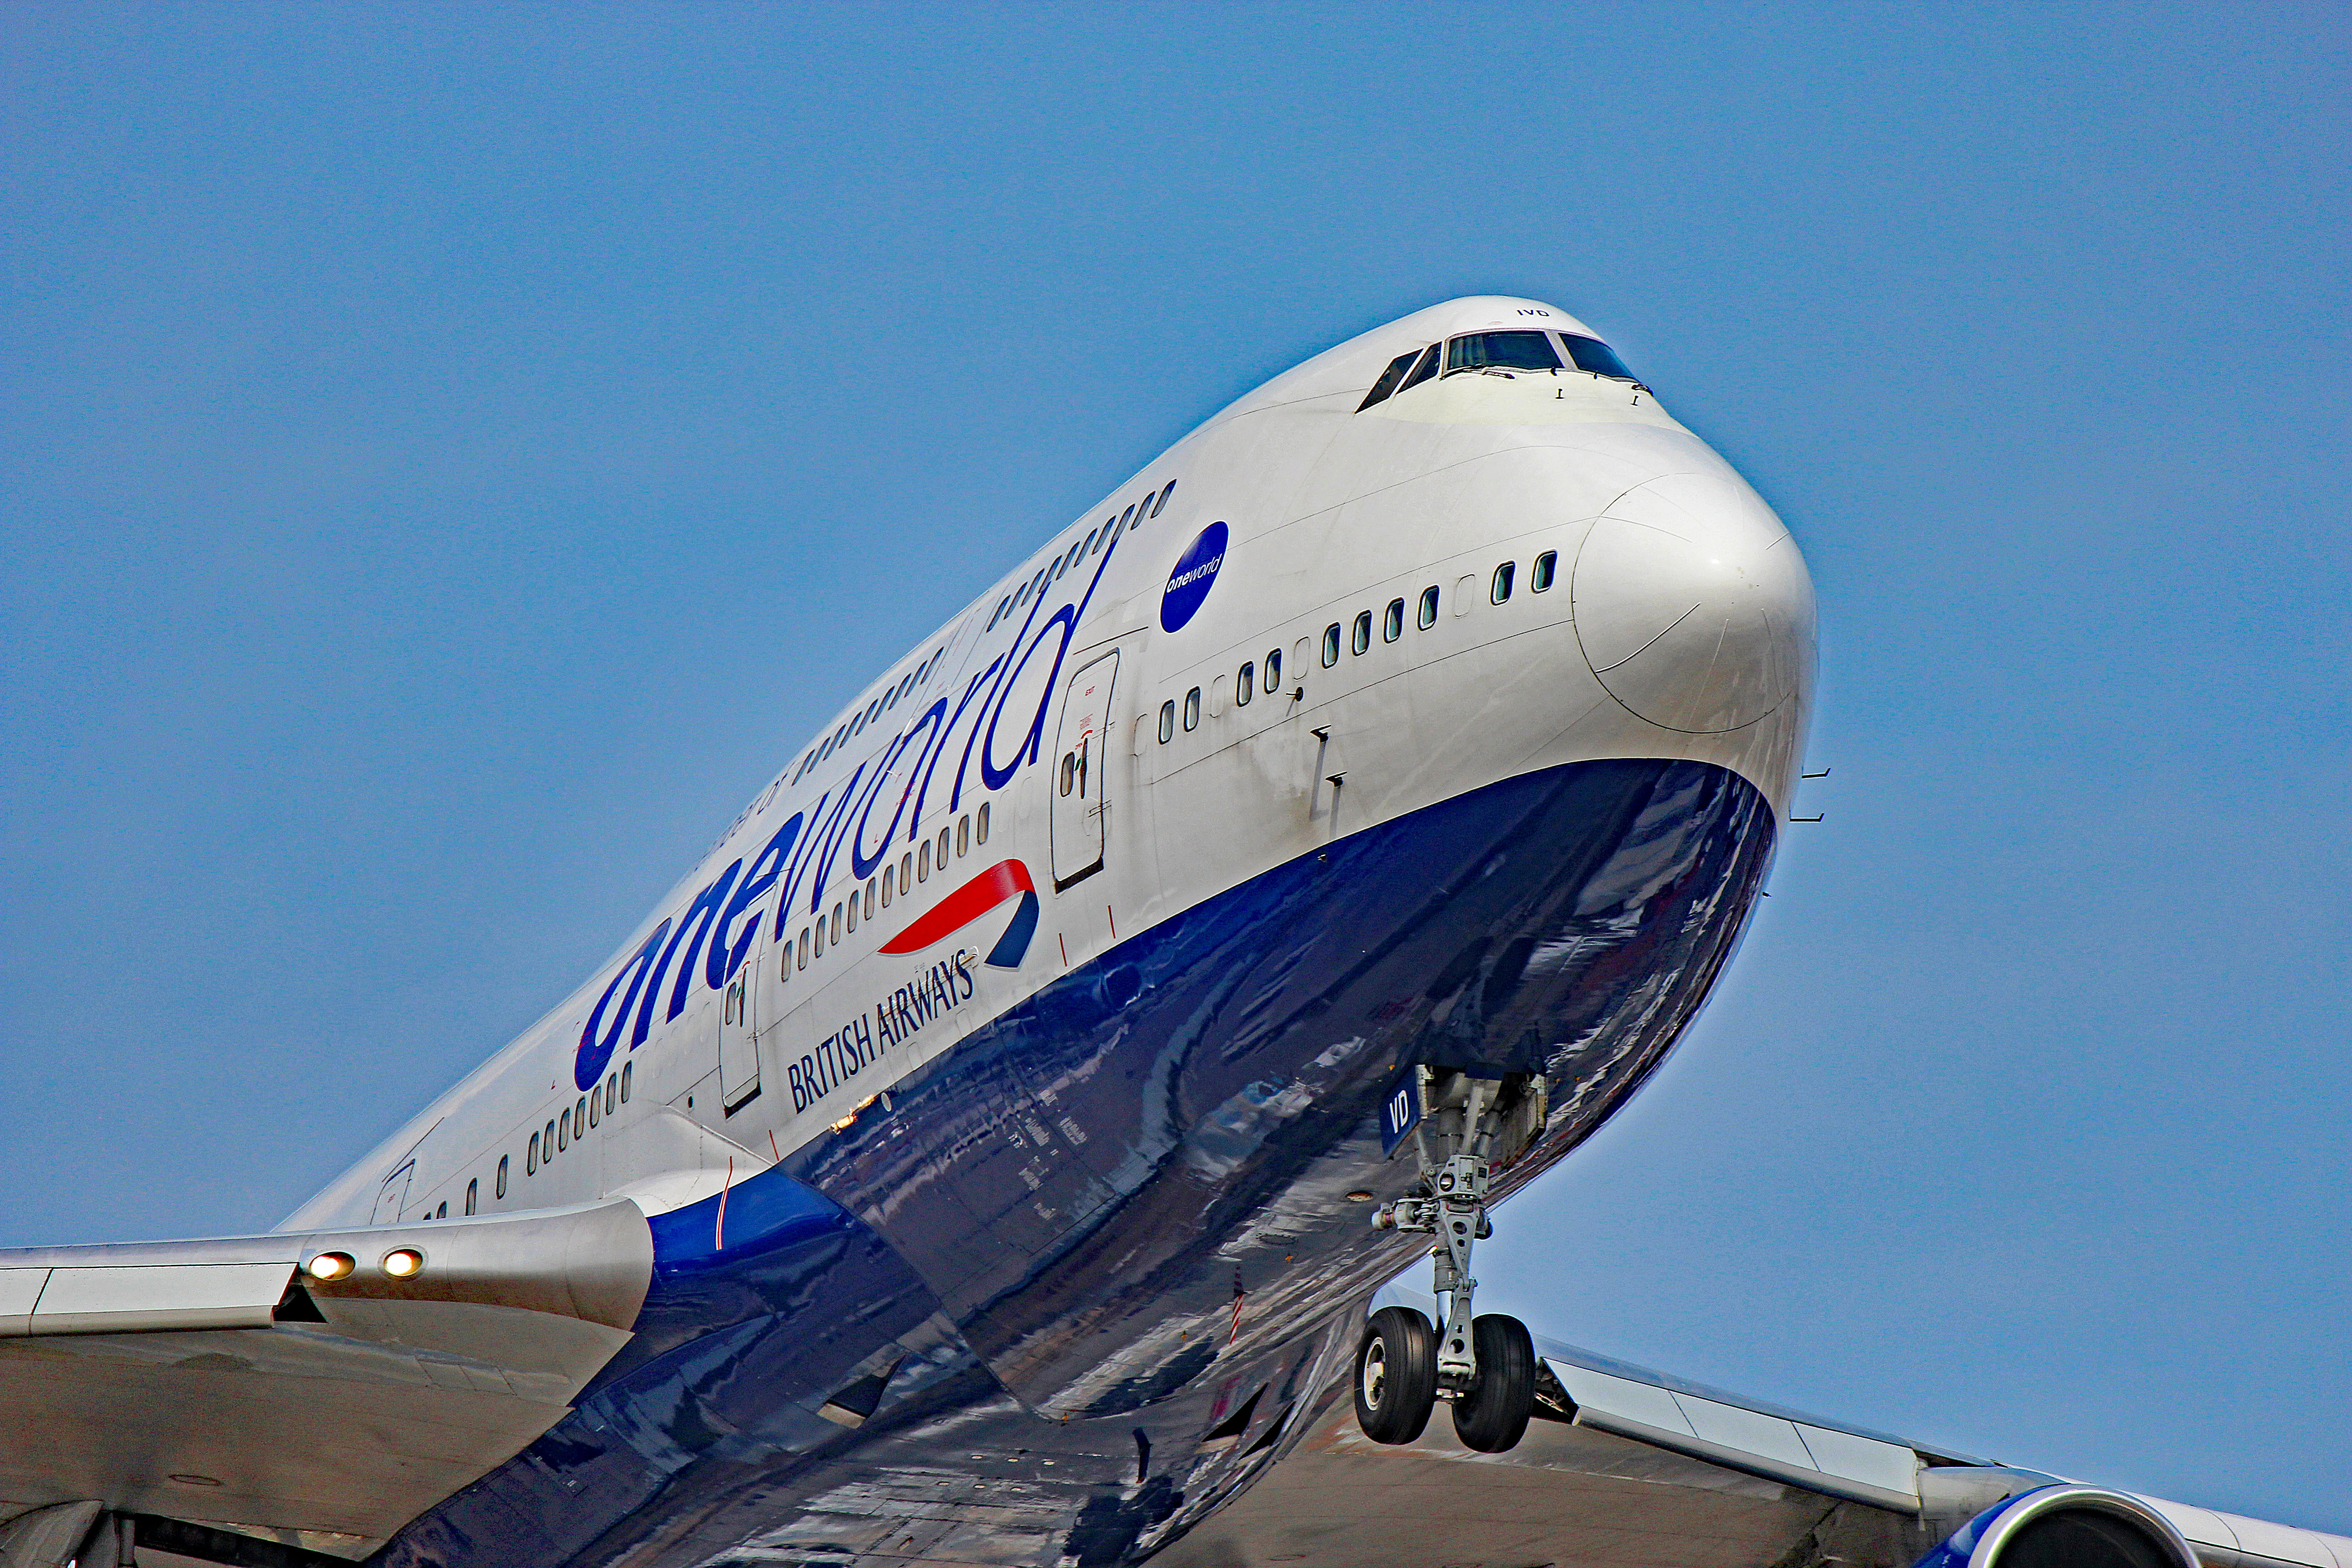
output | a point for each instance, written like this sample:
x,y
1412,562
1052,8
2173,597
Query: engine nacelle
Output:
x,y
2066,1526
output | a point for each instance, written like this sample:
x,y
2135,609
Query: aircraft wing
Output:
x,y
226,1385
1627,1467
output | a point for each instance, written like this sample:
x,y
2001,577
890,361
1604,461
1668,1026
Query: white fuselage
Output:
x,y
1677,623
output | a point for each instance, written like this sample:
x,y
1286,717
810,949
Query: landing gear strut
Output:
x,y
1485,1366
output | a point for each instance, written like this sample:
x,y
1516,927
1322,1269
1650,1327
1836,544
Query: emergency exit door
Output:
x,y
1081,775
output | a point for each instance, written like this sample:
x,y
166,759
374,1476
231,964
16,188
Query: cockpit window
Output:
x,y
1388,379
1592,355
1422,369
1502,351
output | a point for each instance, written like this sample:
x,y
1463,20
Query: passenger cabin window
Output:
x,y
564,1132
499,1188
531,1157
547,1145
889,884
1393,622
1361,639
1428,615
1390,379
1161,504
980,826
627,1072
1245,685
1539,574
963,836
1592,355
1501,350
1272,670
1503,581
609,1080
1330,645
473,1192
923,863
1193,709
1167,721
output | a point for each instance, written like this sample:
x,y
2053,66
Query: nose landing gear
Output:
x,y
1485,1366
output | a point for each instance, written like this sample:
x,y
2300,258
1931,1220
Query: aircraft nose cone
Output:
x,y
1693,605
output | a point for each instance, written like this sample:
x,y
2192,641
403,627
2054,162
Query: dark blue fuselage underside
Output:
x,y
1030,1300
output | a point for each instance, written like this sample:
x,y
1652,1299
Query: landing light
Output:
x,y
1359,1196
330,1266
404,1263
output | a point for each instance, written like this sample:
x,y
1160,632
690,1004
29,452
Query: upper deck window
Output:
x,y
1501,350
1592,355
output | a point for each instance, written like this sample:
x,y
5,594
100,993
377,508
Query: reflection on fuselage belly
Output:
x,y
1134,1211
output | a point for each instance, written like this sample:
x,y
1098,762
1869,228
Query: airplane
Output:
x,y
1055,1122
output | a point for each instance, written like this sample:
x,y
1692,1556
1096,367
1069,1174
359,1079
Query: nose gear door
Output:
x,y
1079,775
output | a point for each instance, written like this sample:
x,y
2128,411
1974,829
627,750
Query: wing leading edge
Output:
x,y
1633,1468
228,1384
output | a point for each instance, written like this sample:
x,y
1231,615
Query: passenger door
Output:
x,y
738,1035
392,1195
1080,772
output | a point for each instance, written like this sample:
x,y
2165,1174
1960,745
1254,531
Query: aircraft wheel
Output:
x,y
1396,1376
1493,1414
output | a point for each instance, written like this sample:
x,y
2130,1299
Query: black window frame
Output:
x,y
1457,360
1422,369
1386,384
1604,363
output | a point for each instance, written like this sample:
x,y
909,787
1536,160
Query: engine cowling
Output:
x,y
2066,1526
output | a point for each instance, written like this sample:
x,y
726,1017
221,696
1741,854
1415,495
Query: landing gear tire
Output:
x,y
1491,1415
1396,1376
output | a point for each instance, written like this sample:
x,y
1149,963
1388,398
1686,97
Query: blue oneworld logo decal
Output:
x,y
1190,578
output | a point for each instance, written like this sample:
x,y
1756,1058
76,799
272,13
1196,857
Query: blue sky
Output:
x,y
451,458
